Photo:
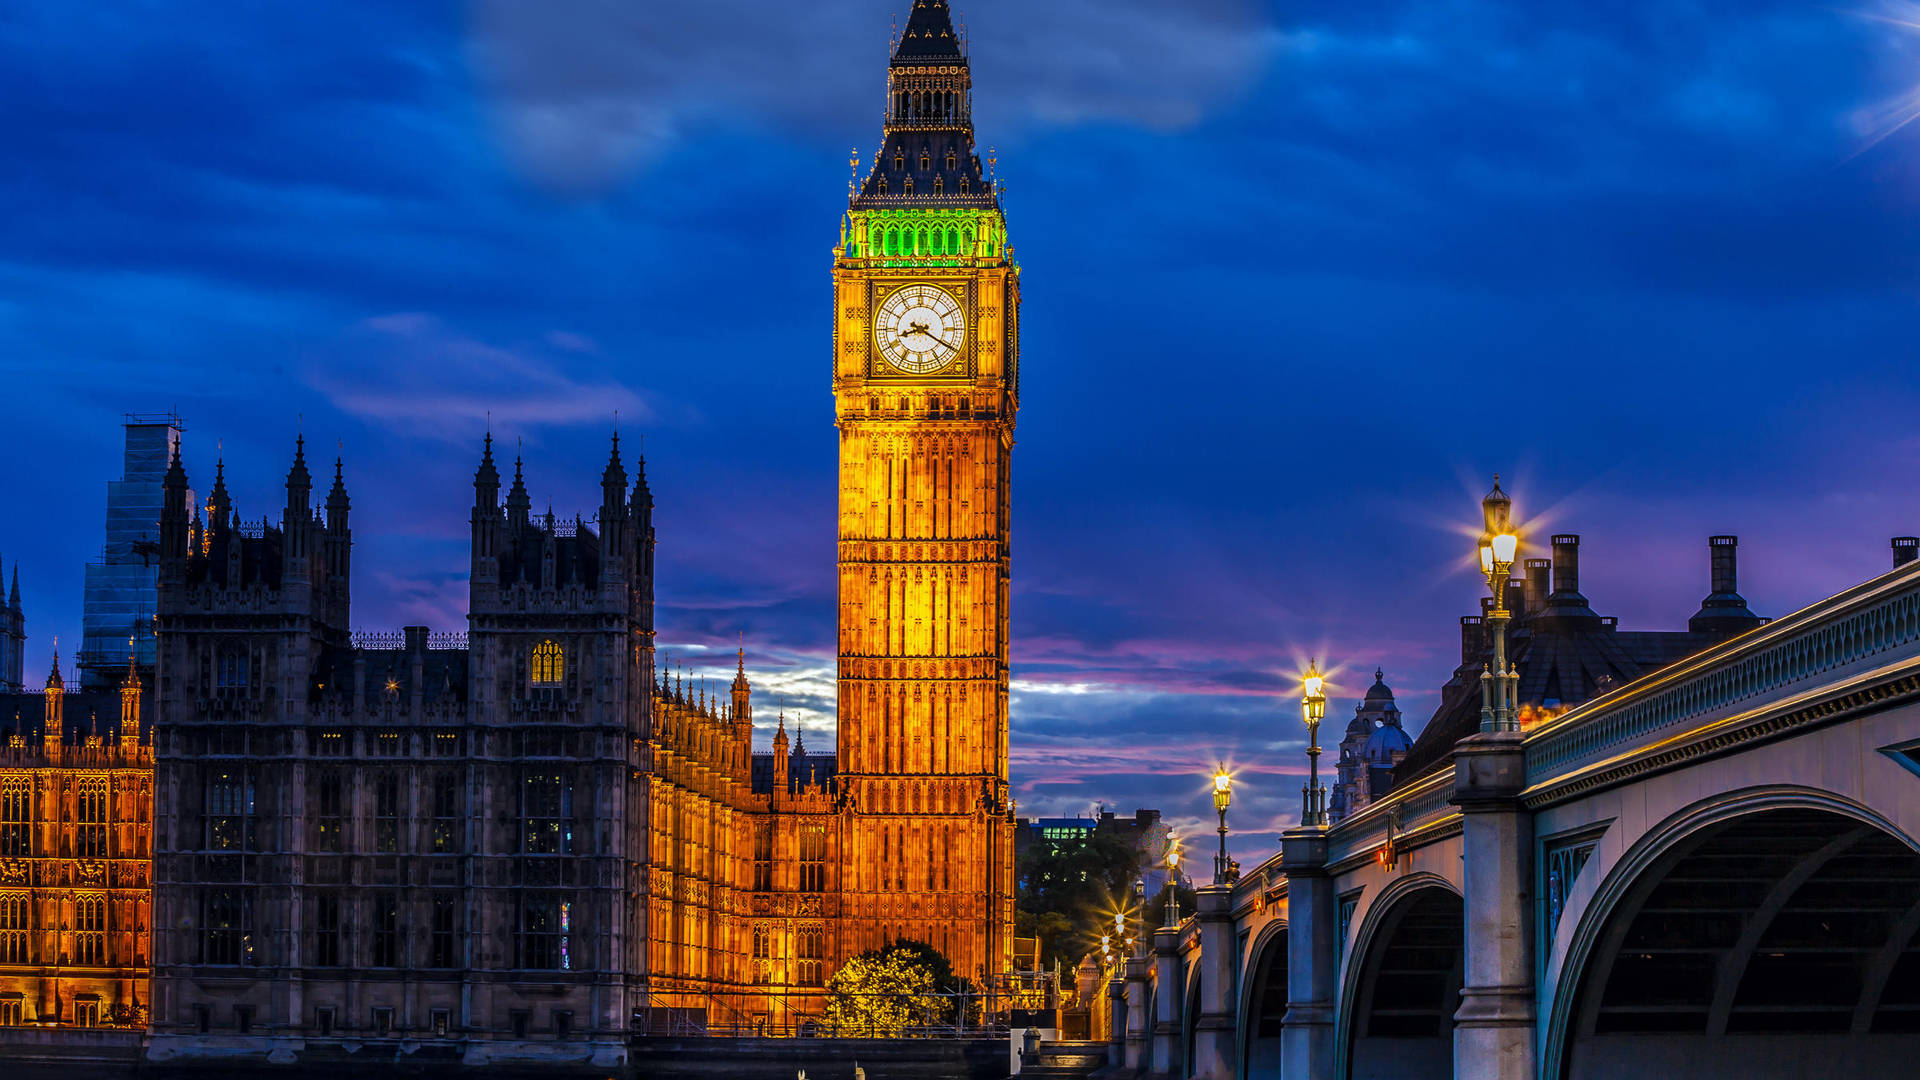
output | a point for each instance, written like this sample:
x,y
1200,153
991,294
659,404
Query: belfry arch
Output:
x,y
1406,987
1776,937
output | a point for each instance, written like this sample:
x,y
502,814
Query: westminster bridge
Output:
x,y
1712,871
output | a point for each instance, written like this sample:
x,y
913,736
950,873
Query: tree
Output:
x,y
1069,890
886,992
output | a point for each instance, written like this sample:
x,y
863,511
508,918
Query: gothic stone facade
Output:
x,y
526,843
76,788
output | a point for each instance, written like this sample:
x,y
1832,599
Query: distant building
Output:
x,y
13,640
117,609
1143,826
1375,743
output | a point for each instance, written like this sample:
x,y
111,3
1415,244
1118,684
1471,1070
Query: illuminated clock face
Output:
x,y
919,329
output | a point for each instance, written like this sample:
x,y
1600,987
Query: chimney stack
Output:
x,y
1724,612
1723,569
1566,564
1905,550
1537,577
1473,640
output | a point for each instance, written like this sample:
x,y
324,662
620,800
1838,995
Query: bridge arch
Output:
x,y
1263,1003
1402,983
1786,916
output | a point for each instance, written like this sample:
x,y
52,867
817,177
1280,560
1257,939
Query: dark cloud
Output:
x,y
586,91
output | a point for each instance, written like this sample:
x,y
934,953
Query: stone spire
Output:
x,y
519,503
486,479
299,481
742,691
219,503
130,702
613,514
782,763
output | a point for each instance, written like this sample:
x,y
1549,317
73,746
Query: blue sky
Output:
x,y
1299,278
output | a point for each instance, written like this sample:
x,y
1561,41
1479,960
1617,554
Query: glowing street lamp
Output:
x,y
1139,941
1313,709
1222,796
1499,546
1173,880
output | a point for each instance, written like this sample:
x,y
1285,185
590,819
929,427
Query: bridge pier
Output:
x,y
1493,1034
1306,1033
1214,1028
1139,1008
1168,995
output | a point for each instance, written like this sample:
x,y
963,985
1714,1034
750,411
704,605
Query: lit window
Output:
x,y
90,839
14,938
549,664
90,930
813,859
229,812
809,951
16,817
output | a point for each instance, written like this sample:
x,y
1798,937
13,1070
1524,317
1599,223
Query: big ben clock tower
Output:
x,y
926,383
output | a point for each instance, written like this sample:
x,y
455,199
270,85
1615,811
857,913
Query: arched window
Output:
x,y
883,185
939,184
951,161
90,930
926,161
963,189
907,188
549,664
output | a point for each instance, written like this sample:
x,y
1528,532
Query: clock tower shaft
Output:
x,y
924,537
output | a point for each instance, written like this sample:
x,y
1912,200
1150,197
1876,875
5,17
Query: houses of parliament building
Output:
x,y
525,841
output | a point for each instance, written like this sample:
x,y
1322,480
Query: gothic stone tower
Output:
x,y
926,385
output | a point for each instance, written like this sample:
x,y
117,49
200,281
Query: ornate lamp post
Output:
x,y
1313,709
1499,546
1139,939
1222,796
1173,879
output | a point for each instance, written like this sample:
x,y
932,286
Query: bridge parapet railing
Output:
x,y
1406,811
1875,622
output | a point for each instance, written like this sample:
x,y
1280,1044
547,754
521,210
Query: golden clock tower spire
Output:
x,y
925,380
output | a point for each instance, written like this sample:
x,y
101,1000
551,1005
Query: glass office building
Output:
x,y
121,584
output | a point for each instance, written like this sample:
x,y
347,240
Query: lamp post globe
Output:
x,y
1173,880
1222,798
1313,709
1499,547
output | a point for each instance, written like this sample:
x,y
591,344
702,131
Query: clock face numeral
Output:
x,y
919,329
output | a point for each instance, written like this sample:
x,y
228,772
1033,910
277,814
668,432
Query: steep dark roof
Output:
x,y
929,34
1564,654
83,714
801,769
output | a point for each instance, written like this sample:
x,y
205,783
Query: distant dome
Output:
x,y
1385,742
1379,690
